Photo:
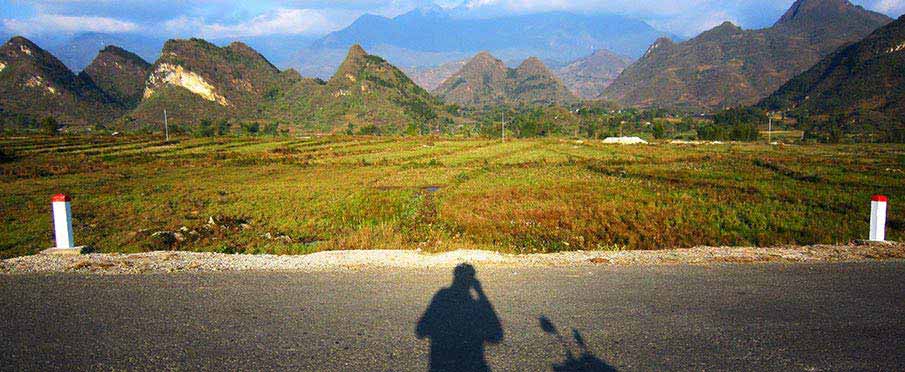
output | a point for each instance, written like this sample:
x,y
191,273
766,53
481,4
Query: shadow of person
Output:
x,y
458,322
586,361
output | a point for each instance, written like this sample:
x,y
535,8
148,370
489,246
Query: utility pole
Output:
x,y
503,132
166,127
770,131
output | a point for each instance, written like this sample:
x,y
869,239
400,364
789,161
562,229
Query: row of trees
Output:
x,y
737,124
211,128
741,124
533,123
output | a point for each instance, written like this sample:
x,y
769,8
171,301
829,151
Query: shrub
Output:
x,y
272,129
50,126
251,128
737,124
223,127
659,130
205,129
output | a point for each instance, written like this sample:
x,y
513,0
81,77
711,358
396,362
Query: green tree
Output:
x,y
205,129
369,130
446,125
685,125
50,125
659,130
744,132
736,124
272,129
223,127
251,129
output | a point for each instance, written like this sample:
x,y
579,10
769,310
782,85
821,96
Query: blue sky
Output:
x,y
230,19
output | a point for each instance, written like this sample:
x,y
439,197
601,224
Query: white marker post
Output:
x,y
878,218
62,226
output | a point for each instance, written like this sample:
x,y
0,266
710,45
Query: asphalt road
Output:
x,y
726,317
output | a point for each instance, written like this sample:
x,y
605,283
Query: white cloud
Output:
x,y
893,7
281,21
683,17
225,18
690,25
627,6
49,23
471,4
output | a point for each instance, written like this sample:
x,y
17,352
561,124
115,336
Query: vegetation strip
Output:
x,y
524,196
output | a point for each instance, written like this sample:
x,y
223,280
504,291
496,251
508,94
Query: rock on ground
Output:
x,y
171,261
624,140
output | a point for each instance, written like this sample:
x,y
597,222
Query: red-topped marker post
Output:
x,y
62,226
878,218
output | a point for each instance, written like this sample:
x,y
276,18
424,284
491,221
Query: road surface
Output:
x,y
721,317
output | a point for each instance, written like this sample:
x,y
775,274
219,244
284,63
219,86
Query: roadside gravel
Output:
x,y
166,262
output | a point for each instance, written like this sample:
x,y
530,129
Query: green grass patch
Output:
x,y
297,196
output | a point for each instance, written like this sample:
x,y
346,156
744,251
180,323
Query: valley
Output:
x,y
612,185
288,195
511,159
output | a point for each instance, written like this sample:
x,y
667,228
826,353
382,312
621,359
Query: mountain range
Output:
x,y
35,84
430,78
424,42
587,77
728,66
77,51
862,83
434,36
366,94
195,80
486,81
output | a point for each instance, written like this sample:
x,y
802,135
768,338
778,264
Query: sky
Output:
x,y
219,19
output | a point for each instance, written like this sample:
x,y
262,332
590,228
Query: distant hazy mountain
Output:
x,y
587,77
77,51
430,78
431,37
34,84
865,79
281,50
119,73
486,80
727,66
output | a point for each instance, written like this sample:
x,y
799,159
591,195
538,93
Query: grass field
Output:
x,y
290,196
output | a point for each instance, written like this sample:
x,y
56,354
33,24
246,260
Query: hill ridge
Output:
x,y
35,84
859,89
727,66
485,80
119,73
366,94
